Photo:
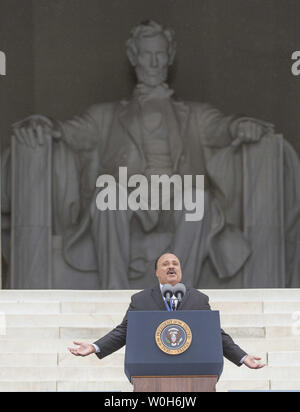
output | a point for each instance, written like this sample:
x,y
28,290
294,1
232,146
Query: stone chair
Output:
x,y
37,219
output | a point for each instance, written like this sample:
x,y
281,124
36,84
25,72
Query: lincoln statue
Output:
x,y
151,133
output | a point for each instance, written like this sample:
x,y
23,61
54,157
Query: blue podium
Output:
x,y
177,351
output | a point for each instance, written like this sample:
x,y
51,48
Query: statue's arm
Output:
x,y
80,133
216,130
219,131
83,132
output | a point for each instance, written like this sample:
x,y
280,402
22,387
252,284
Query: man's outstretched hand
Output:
x,y
84,349
251,362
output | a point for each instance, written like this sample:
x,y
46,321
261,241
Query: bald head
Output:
x,y
168,269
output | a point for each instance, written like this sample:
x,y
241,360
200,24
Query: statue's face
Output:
x,y
152,60
168,269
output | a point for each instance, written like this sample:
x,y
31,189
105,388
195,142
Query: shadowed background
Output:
x,y
64,55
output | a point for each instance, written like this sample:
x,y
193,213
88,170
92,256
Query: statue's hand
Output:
x,y
32,130
251,131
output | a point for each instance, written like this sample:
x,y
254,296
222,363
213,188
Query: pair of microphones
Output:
x,y
178,291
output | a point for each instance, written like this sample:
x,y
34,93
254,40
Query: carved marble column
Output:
x,y
31,234
264,213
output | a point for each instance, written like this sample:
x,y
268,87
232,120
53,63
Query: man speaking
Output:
x,y
168,272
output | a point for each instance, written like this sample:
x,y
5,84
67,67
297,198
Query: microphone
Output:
x,y
167,292
179,291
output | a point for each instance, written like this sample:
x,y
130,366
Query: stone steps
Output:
x,y
103,374
111,307
222,295
251,345
49,346
96,370
93,333
34,307
107,320
111,385
36,327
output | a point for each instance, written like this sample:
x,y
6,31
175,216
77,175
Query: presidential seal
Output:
x,y
173,336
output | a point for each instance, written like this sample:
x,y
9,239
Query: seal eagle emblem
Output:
x,y
173,336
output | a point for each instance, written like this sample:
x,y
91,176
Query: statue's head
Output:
x,y
151,50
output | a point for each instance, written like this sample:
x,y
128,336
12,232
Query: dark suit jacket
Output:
x,y
151,299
